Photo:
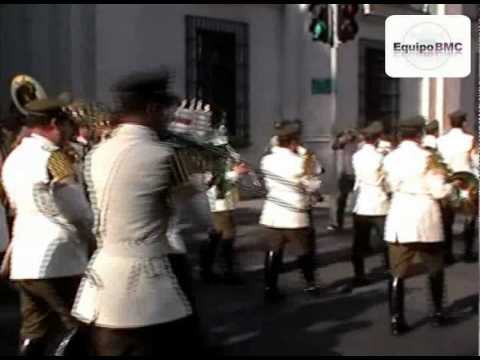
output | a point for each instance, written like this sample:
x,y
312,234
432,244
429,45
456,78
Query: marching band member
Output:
x,y
345,145
223,196
52,228
457,149
429,141
285,214
134,293
414,224
372,201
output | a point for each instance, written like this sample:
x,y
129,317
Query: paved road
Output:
x,y
237,322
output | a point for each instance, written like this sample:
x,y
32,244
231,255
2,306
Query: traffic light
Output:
x,y
347,27
320,25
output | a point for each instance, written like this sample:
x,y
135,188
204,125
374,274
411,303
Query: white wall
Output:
x,y
145,36
460,93
52,43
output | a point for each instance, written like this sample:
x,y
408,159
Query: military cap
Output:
x,y
148,86
458,114
375,128
432,126
414,122
46,106
287,128
281,123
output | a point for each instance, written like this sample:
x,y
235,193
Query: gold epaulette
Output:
x,y
60,166
3,194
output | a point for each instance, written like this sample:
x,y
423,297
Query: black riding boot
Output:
x,y
396,292
386,259
307,266
207,254
230,276
359,269
273,264
32,348
469,239
437,287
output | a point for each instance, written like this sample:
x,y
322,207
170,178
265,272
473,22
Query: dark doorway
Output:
x,y
379,94
217,68
216,73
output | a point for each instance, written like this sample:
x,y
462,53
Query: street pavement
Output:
x,y
339,321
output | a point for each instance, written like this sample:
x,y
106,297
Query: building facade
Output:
x,y
256,61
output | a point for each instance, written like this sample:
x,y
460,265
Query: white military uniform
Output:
x,y
191,215
414,214
455,148
129,282
45,244
372,199
231,198
429,141
4,238
287,202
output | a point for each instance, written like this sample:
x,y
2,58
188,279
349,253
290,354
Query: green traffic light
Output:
x,y
319,29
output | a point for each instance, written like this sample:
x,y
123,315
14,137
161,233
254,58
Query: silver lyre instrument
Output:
x,y
191,135
200,148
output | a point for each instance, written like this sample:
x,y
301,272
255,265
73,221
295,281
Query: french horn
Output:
x,y
465,196
24,89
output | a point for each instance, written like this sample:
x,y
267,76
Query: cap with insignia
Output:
x,y
432,126
286,128
146,87
414,122
375,128
47,106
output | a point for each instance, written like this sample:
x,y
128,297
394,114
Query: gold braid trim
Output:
x,y
60,166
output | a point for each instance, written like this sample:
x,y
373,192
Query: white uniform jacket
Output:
x,y
231,197
455,148
372,199
129,282
288,200
414,214
45,243
429,141
191,216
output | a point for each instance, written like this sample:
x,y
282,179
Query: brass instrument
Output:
x,y
94,115
25,89
464,197
309,163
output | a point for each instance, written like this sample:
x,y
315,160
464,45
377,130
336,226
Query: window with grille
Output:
x,y
379,95
217,71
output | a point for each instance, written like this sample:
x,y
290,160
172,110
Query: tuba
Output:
x,y
25,89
